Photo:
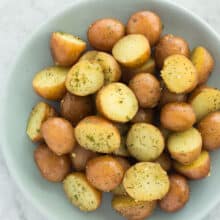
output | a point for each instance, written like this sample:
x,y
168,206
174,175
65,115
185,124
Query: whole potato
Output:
x,y
143,115
74,108
146,87
147,23
178,194
169,45
52,167
104,33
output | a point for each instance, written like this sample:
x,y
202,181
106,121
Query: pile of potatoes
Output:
x,y
135,117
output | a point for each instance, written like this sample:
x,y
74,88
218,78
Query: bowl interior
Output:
x,y
20,98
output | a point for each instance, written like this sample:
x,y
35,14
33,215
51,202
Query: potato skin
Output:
x,y
58,133
74,108
104,172
165,161
178,194
169,45
209,127
52,167
146,88
104,33
177,116
143,115
147,23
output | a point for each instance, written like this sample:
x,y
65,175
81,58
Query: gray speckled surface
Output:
x,y
18,20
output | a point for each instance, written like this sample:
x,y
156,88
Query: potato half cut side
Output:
x,y
81,194
146,181
117,102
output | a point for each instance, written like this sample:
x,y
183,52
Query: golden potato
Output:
x,y
104,33
66,48
143,115
165,161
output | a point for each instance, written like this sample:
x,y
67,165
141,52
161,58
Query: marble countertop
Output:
x,y
18,20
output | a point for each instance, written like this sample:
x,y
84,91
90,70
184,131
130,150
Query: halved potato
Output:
x,y
205,100
50,82
40,113
198,169
122,150
66,48
204,63
165,161
117,102
146,181
81,194
145,142
97,134
132,209
185,146
132,50
84,78
179,74
110,67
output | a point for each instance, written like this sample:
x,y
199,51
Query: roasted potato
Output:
x,y
81,193
146,87
204,63
104,172
170,45
40,112
143,115
198,169
185,146
104,33
110,67
209,127
117,102
132,209
179,74
52,167
145,142
97,134
205,100
58,133
146,181
66,48
132,50
177,196
177,116
165,161
49,83
75,108
122,150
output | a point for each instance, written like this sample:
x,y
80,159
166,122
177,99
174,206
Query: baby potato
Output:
x,y
104,172
146,181
75,108
66,48
132,209
205,100
143,115
165,161
110,67
104,33
179,74
177,116
177,196
145,142
58,133
97,134
198,169
49,83
40,112
52,167
84,78
117,102
122,150
146,87
147,23
209,127
170,45
80,156
81,193
204,63
185,146
132,50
